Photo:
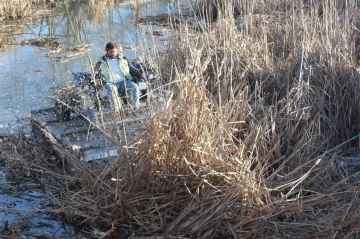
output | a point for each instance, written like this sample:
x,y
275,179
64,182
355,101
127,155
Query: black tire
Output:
x,y
143,94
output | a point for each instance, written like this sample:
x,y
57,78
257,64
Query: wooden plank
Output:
x,y
44,116
99,153
42,110
126,116
50,144
60,129
82,141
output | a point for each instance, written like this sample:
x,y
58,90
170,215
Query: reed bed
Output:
x,y
18,9
258,138
12,11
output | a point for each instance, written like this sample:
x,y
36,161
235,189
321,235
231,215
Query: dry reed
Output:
x,y
251,143
18,9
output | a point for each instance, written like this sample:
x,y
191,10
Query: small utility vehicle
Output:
x,y
90,101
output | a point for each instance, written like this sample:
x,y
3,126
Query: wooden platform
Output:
x,y
82,139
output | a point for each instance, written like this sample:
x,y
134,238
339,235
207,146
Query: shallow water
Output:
x,y
22,209
27,74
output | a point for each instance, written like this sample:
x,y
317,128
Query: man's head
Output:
x,y
112,50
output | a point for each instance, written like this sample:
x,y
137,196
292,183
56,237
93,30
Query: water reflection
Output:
x,y
27,74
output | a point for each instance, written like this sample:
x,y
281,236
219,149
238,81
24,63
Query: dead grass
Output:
x,y
18,9
251,143
14,11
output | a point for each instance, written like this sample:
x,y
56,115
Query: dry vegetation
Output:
x,y
13,10
17,9
258,139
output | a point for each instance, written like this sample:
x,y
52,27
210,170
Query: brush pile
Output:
x,y
42,42
259,137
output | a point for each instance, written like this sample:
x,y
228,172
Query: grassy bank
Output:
x,y
258,138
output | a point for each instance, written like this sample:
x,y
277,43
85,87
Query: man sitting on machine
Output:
x,y
115,72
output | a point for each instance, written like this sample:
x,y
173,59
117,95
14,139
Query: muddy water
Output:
x,y
22,210
28,73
